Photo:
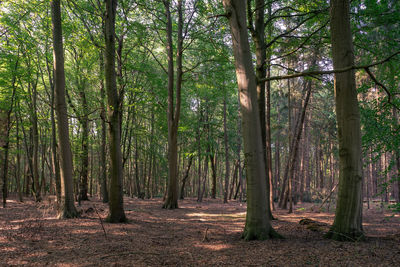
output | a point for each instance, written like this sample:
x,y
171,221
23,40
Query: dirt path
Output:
x,y
31,235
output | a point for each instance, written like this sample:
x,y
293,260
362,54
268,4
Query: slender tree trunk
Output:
x,y
137,177
257,220
171,201
213,158
226,187
103,146
5,148
18,171
348,216
396,154
83,185
35,132
67,207
185,177
55,159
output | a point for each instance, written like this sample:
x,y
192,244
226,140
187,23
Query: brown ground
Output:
x,y
31,235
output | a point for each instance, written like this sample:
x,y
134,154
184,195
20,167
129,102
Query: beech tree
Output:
x,y
258,224
348,217
66,207
117,213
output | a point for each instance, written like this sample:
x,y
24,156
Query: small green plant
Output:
x,y
395,207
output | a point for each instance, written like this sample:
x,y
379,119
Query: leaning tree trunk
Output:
x,y
185,177
258,224
348,218
67,207
116,213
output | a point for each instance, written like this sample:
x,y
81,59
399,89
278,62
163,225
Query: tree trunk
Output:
x,y
396,154
348,218
213,158
18,170
257,220
67,207
258,36
226,187
83,185
116,213
103,149
185,177
35,132
171,201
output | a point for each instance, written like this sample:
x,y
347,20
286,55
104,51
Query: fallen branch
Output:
x,y
101,221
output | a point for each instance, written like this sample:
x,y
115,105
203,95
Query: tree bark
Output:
x,y
348,218
103,149
258,36
185,177
35,132
67,207
213,159
171,202
116,213
258,224
227,167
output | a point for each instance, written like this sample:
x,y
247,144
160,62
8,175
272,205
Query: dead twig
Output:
x,y
101,221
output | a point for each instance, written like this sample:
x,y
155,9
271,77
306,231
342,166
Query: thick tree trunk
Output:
x,y
348,218
116,213
258,36
67,207
257,220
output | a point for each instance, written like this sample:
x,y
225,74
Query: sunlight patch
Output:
x,y
214,247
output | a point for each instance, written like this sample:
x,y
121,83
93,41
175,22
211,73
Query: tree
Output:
x,y
348,218
171,202
258,224
116,213
67,207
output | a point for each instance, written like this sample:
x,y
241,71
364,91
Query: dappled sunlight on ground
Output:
x,y
196,234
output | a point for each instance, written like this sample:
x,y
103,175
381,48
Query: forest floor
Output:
x,y
196,234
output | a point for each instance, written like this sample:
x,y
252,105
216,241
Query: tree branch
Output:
x,y
325,72
373,78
